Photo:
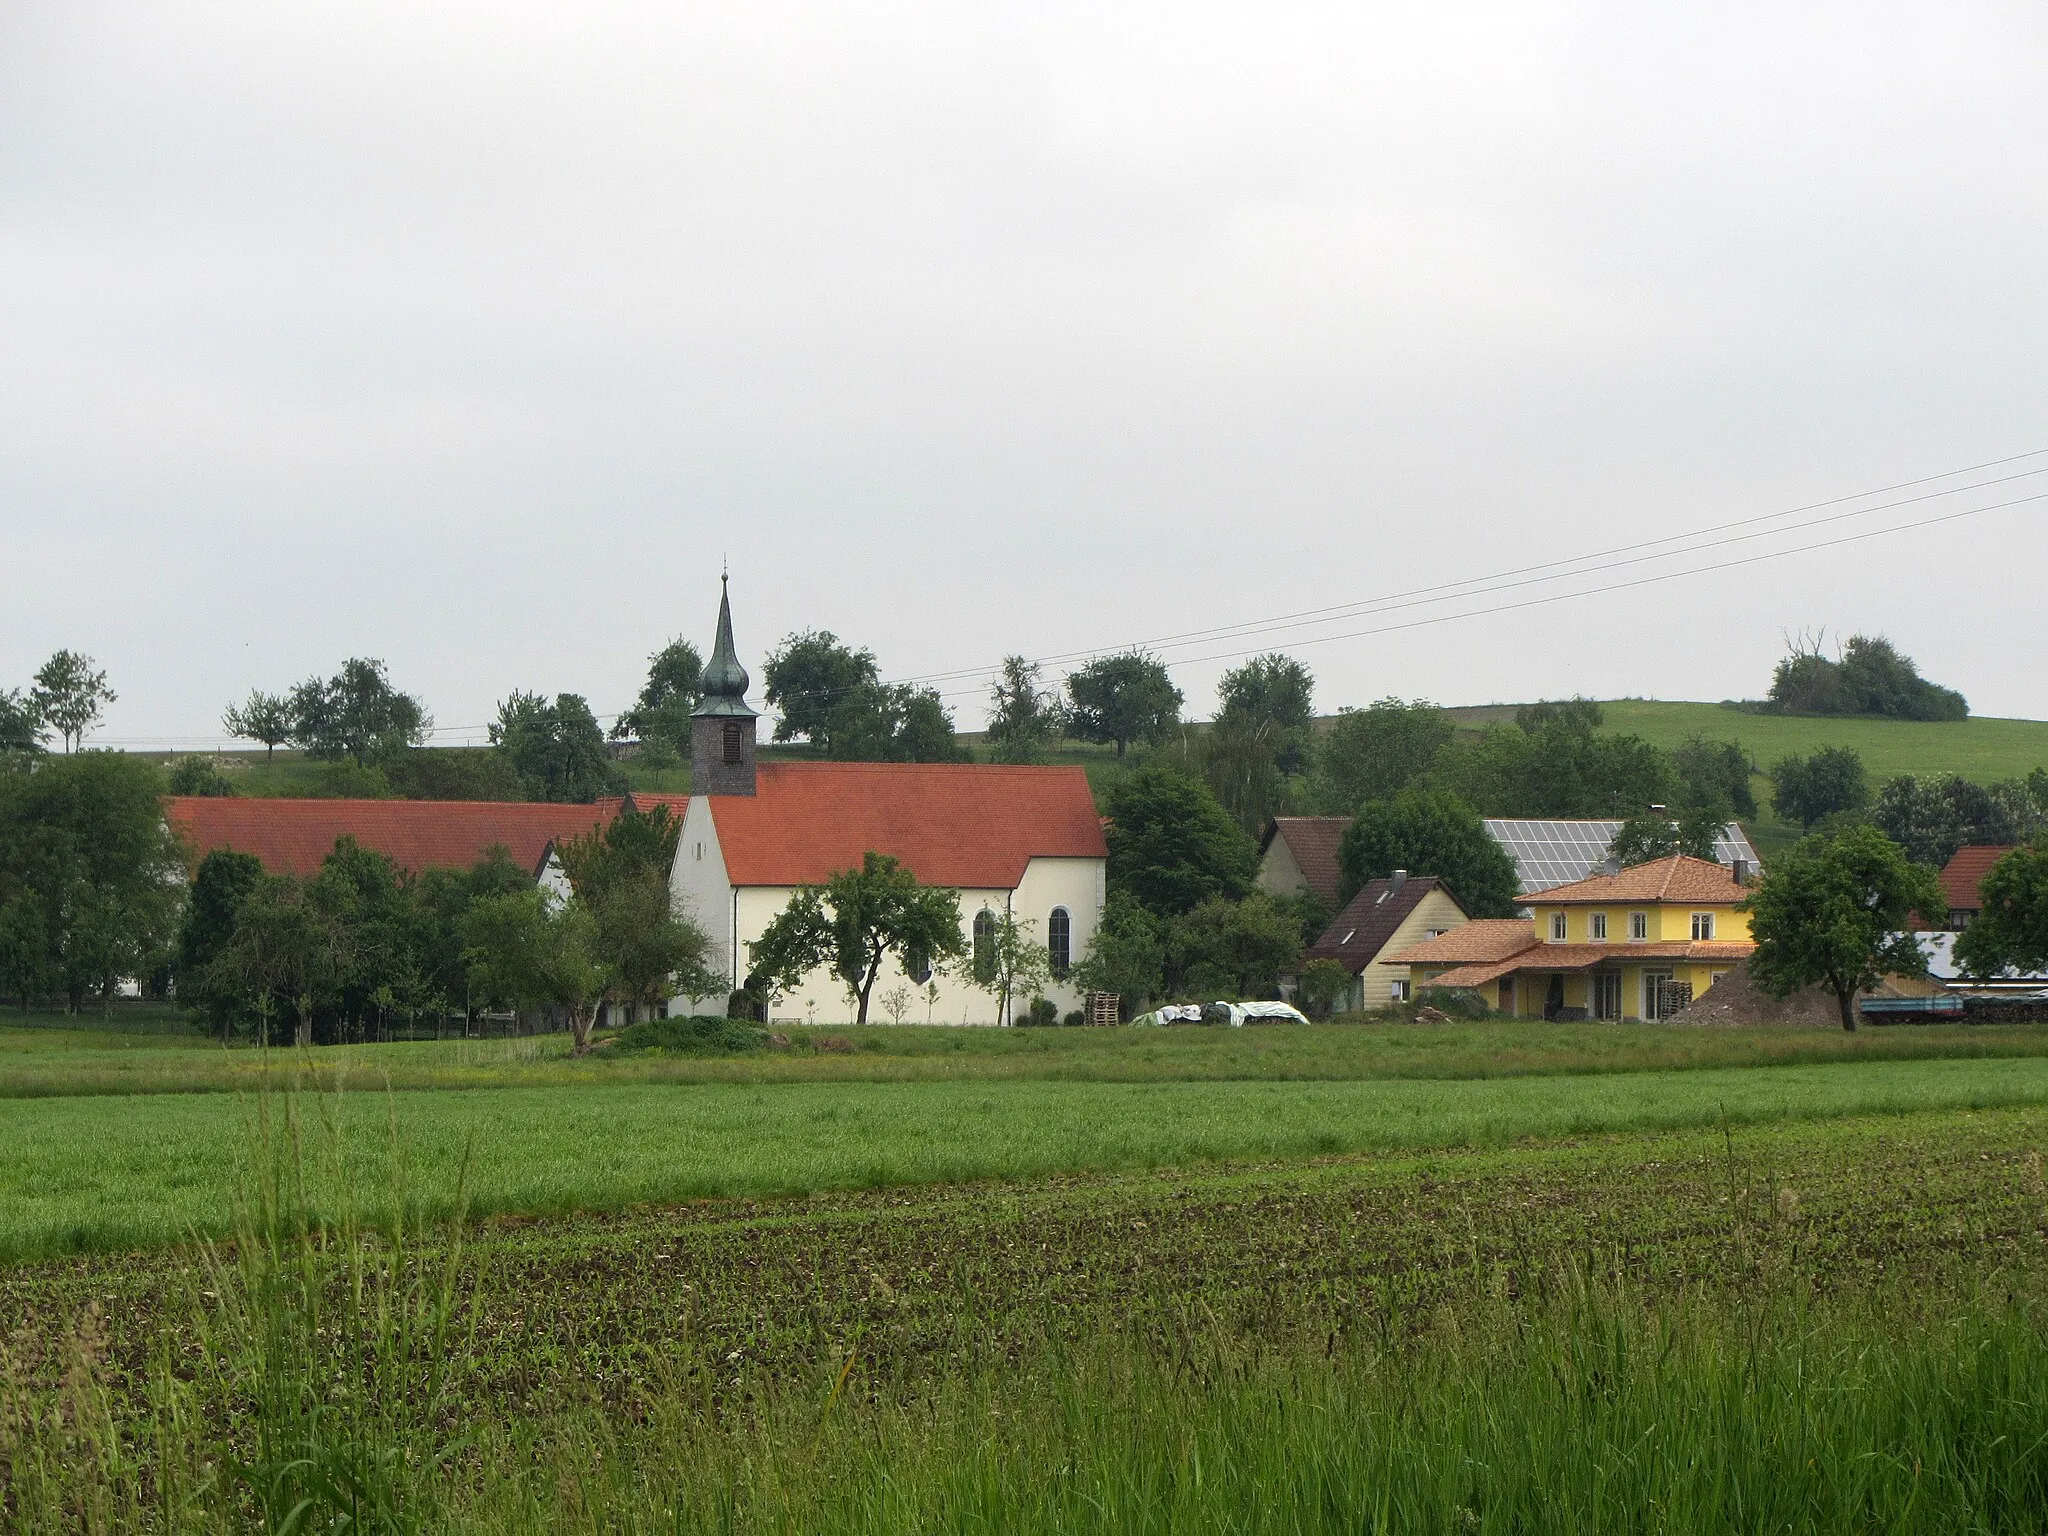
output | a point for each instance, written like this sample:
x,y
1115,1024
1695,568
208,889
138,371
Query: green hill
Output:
x,y
1982,749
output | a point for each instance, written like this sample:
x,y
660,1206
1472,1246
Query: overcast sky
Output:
x,y
473,336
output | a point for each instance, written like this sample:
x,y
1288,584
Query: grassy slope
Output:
x,y
51,1062
96,1173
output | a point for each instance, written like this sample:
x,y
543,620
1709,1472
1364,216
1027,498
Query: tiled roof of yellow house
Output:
x,y
1584,957
1482,939
1688,881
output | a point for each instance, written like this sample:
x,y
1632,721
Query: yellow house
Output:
x,y
1638,943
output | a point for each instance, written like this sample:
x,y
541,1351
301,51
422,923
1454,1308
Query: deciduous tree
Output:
x,y
1933,815
1376,752
858,920
1232,949
622,874
70,696
534,953
21,727
1429,832
86,837
555,747
264,717
667,699
287,949
1838,912
356,714
1024,717
223,883
1122,699
1694,832
1009,960
1807,788
1171,845
1127,957
1275,695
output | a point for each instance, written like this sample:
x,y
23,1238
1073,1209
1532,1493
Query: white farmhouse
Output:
x,y
1026,841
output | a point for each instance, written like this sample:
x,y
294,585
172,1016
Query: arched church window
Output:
x,y
1059,941
984,947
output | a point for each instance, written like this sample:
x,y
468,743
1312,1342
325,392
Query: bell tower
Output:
x,y
722,729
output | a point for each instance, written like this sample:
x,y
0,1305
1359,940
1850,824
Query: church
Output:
x,y
1022,841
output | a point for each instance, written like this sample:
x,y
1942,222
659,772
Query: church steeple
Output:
x,y
722,728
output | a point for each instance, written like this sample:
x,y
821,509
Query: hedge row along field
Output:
x,y
1826,1325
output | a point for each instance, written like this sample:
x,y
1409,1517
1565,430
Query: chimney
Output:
x,y
1400,879
1741,871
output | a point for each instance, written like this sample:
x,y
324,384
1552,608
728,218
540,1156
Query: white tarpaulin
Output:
x,y
1235,1014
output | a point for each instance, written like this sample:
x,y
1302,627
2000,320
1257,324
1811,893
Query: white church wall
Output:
x,y
699,890
1073,883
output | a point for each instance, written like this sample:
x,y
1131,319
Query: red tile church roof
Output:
x,y
971,826
292,837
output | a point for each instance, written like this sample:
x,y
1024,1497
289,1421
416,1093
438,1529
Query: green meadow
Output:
x,y
82,1173
145,1053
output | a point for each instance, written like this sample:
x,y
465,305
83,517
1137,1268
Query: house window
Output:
x,y
1059,938
1596,926
1398,991
734,741
1703,925
1432,933
1639,925
984,947
1557,927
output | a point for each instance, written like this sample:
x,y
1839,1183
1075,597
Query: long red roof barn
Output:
x,y
292,837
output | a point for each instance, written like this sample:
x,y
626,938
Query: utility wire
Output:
x,y
1693,541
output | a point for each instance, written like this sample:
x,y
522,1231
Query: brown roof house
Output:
x,y
1386,917
1960,878
1299,853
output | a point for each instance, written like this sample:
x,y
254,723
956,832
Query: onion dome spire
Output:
x,y
724,680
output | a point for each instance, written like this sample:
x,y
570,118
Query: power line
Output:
x,y
1691,542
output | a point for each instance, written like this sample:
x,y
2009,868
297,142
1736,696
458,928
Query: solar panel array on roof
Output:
x,y
1548,853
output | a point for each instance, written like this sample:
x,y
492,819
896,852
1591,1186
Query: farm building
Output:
x,y
1299,853
1960,878
1015,840
292,837
1636,943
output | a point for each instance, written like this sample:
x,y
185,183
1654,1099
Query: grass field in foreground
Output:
x,y
93,1173
1820,1325
40,1062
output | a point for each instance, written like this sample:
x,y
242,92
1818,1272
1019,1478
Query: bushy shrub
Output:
x,y
1458,1002
1075,1020
699,1035
200,775
1043,1013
